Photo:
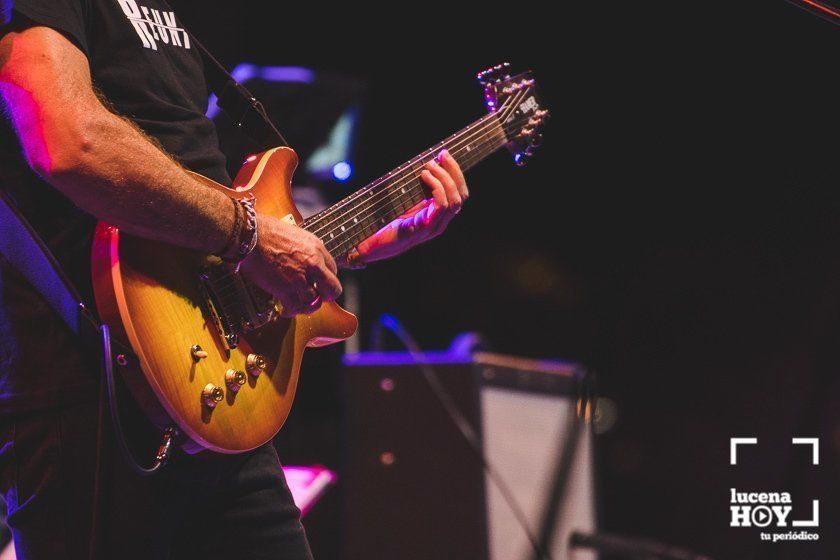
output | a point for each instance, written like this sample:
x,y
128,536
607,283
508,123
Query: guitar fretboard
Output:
x,y
347,223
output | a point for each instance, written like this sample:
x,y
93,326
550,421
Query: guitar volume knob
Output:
x,y
212,395
255,364
235,379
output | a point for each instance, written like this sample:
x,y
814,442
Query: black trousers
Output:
x,y
204,506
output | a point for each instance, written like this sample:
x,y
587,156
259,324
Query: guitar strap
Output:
x,y
246,112
23,248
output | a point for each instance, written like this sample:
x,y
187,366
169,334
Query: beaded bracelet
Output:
x,y
245,232
234,231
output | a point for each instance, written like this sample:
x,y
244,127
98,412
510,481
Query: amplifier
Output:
x,y
413,489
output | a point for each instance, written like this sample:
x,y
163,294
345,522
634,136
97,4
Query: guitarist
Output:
x,y
104,104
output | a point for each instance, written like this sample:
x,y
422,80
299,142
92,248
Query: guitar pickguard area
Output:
x,y
236,306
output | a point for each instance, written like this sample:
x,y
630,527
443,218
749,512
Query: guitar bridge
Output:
x,y
235,305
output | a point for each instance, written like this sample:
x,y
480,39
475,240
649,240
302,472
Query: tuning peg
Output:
x,y
504,70
493,74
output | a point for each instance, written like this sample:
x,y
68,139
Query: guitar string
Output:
x,y
478,129
483,124
407,168
407,189
412,173
414,193
357,196
456,149
352,198
366,207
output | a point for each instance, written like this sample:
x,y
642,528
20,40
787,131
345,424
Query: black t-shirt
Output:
x,y
142,60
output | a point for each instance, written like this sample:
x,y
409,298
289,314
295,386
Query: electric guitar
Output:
x,y
215,357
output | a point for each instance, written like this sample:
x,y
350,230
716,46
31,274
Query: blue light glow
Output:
x,y
342,171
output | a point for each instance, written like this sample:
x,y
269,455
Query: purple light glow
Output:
x,y
405,358
307,484
34,137
294,74
281,74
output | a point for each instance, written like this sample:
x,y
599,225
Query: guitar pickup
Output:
x,y
235,305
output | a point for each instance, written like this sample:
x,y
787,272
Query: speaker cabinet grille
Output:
x,y
411,487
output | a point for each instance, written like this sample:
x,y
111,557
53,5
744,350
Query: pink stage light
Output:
x,y
308,484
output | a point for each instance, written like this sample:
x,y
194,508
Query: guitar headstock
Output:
x,y
516,102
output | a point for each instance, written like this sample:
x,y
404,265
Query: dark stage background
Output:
x,y
677,232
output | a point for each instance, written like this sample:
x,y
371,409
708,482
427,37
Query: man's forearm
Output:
x,y
127,181
102,162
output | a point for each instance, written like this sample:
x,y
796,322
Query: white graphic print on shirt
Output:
x,y
154,26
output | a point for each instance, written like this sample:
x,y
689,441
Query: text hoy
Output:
x,y
745,512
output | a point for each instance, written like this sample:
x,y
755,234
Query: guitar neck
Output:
x,y
347,223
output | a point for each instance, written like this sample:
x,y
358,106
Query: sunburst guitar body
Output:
x,y
216,359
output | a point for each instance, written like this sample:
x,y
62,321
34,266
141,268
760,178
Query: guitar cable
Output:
x,y
464,426
163,452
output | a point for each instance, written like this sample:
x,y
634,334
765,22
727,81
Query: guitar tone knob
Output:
x,y
235,379
212,395
255,364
